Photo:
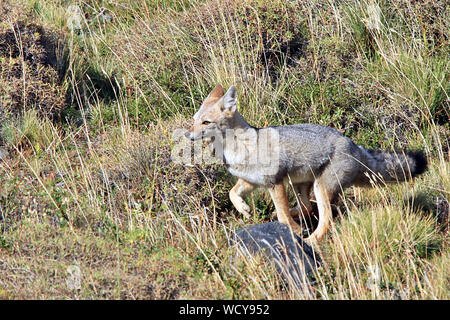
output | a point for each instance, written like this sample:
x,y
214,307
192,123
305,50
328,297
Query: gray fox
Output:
x,y
305,155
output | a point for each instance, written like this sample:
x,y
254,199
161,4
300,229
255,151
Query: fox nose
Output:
x,y
189,135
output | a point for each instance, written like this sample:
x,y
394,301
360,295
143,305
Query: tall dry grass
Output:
x,y
135,80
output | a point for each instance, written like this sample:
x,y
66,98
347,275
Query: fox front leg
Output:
x,y
304,207
237,193
280,199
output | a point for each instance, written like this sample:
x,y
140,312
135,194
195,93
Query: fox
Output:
x,y
306,156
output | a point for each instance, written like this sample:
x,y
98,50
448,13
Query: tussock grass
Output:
x,y
98,190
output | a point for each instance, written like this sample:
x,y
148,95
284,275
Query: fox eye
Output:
x,y
206,122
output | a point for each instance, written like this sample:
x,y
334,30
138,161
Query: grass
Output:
x,y
96,189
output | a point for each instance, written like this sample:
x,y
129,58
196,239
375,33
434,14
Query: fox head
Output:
x,y
216,113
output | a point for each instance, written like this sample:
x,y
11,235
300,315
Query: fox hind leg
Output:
x,y
323,196
339,175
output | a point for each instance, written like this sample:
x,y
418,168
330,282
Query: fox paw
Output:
x,y
313,242
245,210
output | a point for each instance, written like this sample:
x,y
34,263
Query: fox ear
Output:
x,y
230,100
216,93
213,97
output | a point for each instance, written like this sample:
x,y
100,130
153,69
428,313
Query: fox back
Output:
x,y
301,152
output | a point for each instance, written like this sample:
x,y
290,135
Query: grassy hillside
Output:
x,y
91,92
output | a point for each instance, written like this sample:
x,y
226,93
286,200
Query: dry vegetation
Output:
x,y
91,91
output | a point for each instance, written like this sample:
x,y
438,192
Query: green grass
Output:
x,y
97,189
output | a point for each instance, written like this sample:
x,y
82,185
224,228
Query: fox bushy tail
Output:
x,y
392,166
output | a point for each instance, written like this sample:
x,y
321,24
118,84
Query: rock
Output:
x,y
294,259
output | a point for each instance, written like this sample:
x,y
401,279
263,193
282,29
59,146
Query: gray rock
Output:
x,y
294,259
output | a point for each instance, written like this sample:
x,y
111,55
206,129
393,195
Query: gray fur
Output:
x,y
310,151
